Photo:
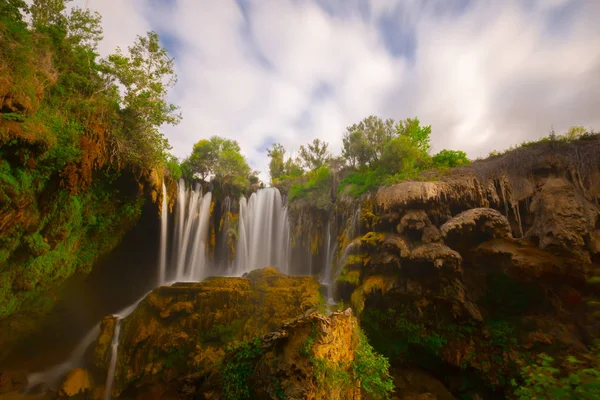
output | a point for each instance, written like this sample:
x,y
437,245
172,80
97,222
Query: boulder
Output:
x,y
439,256
187,324
521,260
563,217
416,384
76,382
413,223
474,226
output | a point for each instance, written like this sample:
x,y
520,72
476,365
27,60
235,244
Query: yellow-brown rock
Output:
x,y
76,382
185,325
283,366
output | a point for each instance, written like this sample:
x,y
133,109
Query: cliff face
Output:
x,y
473,275
67,195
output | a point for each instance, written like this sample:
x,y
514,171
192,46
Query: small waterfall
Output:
x,y
326,278
164,222
124,313
263,233
53,375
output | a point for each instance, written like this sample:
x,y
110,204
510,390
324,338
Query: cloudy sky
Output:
x,y
484,73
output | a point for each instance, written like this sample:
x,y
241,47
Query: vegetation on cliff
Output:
x,y
79,140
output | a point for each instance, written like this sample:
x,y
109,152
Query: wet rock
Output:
x,y
77,381
413,224
103,344
283,368
437,255
563,216
431,234
474,226
594,245
12,380
396,245
416,384
188,324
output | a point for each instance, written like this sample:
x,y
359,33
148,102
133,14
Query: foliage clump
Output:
x,y
544,380
76,133
237,367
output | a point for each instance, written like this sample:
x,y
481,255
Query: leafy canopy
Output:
x,y
314,155
219,160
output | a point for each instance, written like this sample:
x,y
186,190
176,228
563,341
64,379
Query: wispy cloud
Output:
x,y
484,74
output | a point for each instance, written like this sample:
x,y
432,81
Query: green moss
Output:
x,y
237,367
372,240
350,277
594,280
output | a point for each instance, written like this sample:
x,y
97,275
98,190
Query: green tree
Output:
x,y
419,135
84,28
293,168
13,9
219,160
363,143
400,155
314,155
575,132
146,74
277,165
48,12
450,159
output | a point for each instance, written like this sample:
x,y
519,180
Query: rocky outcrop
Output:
x,y
474,226
185,327
78,381
306,359
492,264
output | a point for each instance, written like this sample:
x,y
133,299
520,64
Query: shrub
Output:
x,y
237,366
372,370
543,380
450,159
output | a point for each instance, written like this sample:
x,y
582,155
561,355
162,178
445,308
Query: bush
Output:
x,y
315,188
237,366
450,159
372,370
543,380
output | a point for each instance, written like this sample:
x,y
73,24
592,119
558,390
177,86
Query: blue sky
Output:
x,y
485,74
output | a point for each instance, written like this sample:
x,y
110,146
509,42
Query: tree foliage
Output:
x,y
363,143
314,155
48,12
450,159
13,10
277,164
220,160
75,129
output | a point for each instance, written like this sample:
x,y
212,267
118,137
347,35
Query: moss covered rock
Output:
x,y
184,327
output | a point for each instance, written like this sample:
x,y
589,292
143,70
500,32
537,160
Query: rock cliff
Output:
x,y
472,276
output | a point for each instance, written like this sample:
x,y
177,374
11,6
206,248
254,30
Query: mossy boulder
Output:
x,y
182,328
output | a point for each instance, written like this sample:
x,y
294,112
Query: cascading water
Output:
x,y
52,376
164,222
326,278
110,378
193,214
263,233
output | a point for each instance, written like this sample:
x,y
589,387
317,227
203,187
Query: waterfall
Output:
x,y
191,234
52,375
263,233
164,222
114,351
263,239
326,278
